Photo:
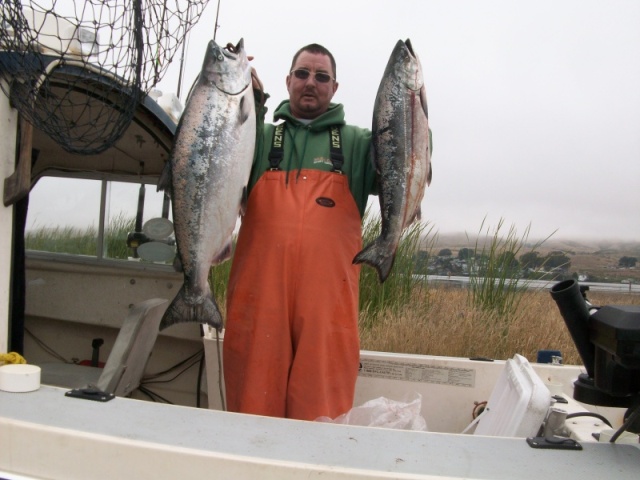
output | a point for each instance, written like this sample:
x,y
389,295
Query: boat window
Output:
x,y
95,218
63,216
130,207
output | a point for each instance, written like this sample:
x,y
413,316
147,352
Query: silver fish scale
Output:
x,y
210,167
401,149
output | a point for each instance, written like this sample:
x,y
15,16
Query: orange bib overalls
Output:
x,y
291,346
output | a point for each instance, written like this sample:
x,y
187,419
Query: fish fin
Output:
x,y
417,216
177,264
378,256
429,151
423,101
184,310
164,182
225,254
373,158
243,202
244,111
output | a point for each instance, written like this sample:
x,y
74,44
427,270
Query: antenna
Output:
x,y
215,30
181,74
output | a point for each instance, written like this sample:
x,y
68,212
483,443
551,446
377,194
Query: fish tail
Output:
x,y
204,310
378,256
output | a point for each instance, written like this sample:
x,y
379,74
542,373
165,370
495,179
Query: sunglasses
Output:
x,y
303,74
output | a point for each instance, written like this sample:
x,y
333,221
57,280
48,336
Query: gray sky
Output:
x,y
534,105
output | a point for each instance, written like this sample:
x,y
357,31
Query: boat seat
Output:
x,y
128,358
518,404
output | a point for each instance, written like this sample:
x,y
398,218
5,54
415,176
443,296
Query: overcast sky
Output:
x,y
534,105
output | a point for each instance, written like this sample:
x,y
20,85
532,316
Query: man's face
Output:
x,y
310,98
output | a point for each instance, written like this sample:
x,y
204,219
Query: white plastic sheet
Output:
x,y
385,413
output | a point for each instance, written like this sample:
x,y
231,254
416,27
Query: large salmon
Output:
x,y
401,152
210,165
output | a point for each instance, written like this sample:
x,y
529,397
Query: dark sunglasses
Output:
x,y
303,74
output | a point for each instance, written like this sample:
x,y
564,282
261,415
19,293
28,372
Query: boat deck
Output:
x,y
45,434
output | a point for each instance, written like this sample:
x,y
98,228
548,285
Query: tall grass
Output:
x,y
454,327
115,236
218,280
83,241
401,285
67,239
493,318
494,270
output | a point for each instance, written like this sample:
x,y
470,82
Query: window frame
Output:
x,y
106,180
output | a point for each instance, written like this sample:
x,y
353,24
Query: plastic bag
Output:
x,y
385,413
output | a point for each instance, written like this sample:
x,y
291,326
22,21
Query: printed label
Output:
x,y
415,372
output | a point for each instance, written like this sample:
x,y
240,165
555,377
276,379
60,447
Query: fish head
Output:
x,y
226,67
407,66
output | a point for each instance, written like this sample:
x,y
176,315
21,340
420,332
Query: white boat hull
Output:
x,y
47,435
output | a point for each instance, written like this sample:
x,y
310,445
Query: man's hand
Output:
x,y
258,88
256,83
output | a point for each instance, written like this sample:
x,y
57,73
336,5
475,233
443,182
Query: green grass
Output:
x,y
218,279
401,287
115,243
493,282
83,241
491,271
495,317
63,240
494,270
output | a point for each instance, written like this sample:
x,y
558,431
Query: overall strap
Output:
x,y
277,147
335,146
276,154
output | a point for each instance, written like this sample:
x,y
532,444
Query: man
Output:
x,y
291,344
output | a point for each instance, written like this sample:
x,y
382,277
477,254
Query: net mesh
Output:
x,y
78,69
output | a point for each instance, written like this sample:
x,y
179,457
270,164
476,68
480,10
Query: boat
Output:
x,y
105,395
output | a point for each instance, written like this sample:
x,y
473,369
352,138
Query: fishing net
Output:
x,y
78,69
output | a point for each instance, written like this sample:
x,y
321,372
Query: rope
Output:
x,y
11,357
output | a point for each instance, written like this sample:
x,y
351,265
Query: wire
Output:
x,y
147,393
197,357
190,358
153,395
589,414
199,381
630,419
45,347
174,367
194,359
222,401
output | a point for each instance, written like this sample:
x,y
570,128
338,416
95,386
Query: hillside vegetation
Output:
x,y
598,261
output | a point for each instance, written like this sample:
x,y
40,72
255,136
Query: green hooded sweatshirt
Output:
x,y
307,147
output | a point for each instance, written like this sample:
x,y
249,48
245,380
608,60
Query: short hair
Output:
x,y
315,48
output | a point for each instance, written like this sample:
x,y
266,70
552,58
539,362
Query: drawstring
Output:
x,y
294,152
304,150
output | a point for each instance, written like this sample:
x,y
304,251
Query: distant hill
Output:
x,y
455,241
595,258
